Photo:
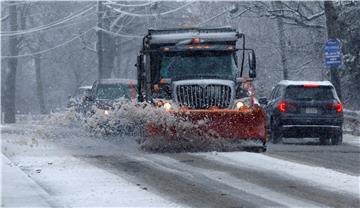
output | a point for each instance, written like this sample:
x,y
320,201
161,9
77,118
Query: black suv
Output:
x,y
299,109
105,92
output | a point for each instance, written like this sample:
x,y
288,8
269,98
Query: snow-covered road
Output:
x,y
46,165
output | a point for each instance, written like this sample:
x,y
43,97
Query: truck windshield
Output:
x,y
112,92
198,64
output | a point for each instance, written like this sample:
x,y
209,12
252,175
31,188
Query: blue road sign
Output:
x,y
332,52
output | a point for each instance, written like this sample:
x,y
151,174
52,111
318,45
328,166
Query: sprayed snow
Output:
x,y
130,118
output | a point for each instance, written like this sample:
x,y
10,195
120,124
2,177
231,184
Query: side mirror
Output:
x,y
263,101
89,98
252,64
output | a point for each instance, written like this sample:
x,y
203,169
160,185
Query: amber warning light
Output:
x,y
195,41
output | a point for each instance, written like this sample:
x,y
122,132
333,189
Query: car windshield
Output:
x,y
302,93
198,64
113,91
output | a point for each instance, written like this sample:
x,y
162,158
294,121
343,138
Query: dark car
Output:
x,y
106,95
298,109
105,92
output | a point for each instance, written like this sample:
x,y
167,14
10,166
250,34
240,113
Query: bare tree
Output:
x,y
282,38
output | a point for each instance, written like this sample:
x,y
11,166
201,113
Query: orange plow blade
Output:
x,y
212,125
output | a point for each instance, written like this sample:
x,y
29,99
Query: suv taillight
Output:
x,y
282,106
337,106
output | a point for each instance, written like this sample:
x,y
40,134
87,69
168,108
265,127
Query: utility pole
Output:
x,y
9,85
105,43
99,45
333,33
280,24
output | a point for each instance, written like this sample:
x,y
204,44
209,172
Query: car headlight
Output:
x,y
167,106
164,104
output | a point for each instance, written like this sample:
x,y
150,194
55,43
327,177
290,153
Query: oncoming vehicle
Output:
x,y
105,94
299,109
197,74
107,91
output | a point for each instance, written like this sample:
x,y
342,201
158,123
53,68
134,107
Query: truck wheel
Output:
x,y
336,139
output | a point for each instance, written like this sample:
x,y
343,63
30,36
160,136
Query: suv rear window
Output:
x,y
313,93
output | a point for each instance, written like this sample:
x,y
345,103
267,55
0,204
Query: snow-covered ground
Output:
x,y
352,140
71,182
315,176
45,174
57,164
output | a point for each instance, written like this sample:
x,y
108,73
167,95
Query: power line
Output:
x,y
128,5
214,17
176,9
119,34
73,23
46,27
49,49
151,15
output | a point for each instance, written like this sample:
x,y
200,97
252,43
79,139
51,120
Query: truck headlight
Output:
x,y
239,105
242,103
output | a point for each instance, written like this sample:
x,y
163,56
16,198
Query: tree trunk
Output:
x,y
333,33
280,25
9,85
39,84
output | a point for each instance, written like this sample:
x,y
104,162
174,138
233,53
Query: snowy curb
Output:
x,y
18,189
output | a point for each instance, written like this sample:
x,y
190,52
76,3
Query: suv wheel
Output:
x,y
336,139
275,134
324,139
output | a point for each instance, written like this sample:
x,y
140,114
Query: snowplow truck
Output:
x,y
196,74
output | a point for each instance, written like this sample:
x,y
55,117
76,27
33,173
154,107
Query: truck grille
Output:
x,y
203,97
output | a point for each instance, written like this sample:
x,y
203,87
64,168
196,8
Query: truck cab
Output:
x,y
177,62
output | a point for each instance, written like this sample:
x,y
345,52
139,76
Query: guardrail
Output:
x,y
352,122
